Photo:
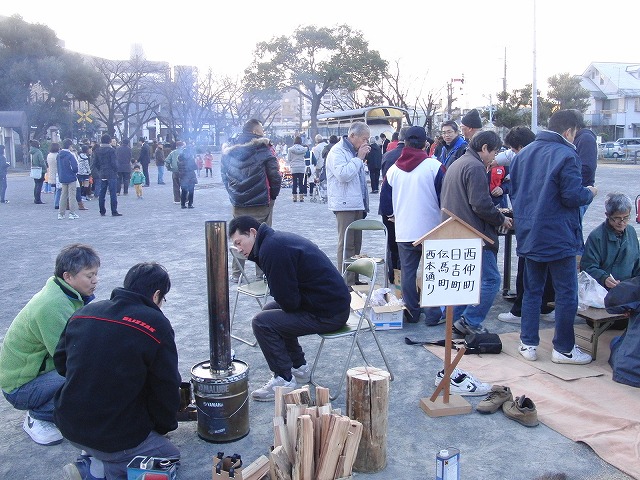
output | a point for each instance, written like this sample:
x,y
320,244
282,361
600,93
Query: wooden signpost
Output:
x,y
452,266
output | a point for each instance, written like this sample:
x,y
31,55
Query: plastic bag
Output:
x,y
590,292
379,298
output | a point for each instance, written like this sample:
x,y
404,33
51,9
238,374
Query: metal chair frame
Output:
x,y
363,225
358,322
258,289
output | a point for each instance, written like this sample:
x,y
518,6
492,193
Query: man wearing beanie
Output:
x,y
470,124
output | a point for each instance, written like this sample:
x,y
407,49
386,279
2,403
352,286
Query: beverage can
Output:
x,y
448,464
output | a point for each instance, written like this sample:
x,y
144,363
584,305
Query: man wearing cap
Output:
x,y
454,145
416,181
470,124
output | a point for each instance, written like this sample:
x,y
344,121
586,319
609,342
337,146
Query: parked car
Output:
x,y
612,150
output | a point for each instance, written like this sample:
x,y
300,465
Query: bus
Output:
x,y
381,119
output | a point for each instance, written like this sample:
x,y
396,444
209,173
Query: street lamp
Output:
x,y
490,98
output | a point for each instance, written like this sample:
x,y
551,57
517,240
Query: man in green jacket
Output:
x,y
171,162
28,377
37,160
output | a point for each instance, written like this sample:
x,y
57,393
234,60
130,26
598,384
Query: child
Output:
x,y
208,164
137,180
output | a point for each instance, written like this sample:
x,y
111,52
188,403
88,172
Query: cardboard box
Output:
x,y
387,317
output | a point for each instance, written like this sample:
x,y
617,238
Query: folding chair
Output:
x,y
362,226
358,323
258,289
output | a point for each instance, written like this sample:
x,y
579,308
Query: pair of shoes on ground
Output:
x,y
41,431
574,357
81,469
463,383
509,317
461,328
72,216
522,409
267,392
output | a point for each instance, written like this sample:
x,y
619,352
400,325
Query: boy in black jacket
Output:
x,y
121,390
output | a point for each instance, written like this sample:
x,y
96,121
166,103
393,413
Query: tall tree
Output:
x,y
566,92
38,76
313,61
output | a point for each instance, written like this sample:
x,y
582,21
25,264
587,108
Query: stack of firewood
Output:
x,y
311,442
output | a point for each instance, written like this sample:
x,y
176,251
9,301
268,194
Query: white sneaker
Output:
x,y
267,392
60,216
73,216
41,432
575,356
529,352
548,317
463,383
302,373
509,318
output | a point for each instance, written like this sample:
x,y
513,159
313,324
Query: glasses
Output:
x,y
447,133
620,219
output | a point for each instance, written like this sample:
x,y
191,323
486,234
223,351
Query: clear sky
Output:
x,y
433,42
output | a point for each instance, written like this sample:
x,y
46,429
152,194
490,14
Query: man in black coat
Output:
x,y
143,159
309,292
121,394
106,165
374,163
123,159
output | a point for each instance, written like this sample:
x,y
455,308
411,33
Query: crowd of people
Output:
x,y
62,345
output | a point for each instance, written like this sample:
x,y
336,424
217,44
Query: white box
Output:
x,y
386,317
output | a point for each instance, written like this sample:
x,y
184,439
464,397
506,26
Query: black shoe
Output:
x,y
190,206
116,214
39,202
183,206
102,214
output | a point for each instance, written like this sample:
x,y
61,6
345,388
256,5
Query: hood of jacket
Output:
x,y
410,158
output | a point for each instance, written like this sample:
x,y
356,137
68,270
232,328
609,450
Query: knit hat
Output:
x,y
417,133
472,119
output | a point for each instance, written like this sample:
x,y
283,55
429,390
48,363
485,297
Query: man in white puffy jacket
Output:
x,y
348,196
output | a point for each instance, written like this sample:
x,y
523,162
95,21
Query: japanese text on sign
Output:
x,y
451,272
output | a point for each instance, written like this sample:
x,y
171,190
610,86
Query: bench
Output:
x,y
602,320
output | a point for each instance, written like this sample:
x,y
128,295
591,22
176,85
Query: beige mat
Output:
x,y
588,407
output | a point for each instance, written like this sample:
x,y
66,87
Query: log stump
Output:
x,y
368,403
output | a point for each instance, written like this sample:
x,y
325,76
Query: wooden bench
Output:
x,y
602,320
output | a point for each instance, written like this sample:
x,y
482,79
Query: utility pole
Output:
x,y
534,84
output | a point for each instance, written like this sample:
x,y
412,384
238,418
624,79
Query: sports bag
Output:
x,y
482,343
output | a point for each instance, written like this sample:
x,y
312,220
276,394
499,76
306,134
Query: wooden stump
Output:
x,y
368,403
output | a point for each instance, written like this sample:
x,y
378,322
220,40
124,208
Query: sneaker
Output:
x,y
302,374
80,469
73,216
575,356
523,411
60,216
492,402
267,392
234,278
529,352
463,383
461,328
41,432
548,317
509,317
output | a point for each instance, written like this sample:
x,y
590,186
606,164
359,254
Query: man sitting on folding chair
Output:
x,y
303,305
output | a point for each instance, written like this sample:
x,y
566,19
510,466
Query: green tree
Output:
x,y
313,61
566,92
38,76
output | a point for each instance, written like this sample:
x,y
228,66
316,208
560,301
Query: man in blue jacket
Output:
x,y
547,194
303,305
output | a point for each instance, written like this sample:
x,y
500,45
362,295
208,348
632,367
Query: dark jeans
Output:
x,y
175,178
123,181
110,184
145,170
393,257
547,296
37,395
37,189
374,175
277,333
410,257
186,195
298,182
3,187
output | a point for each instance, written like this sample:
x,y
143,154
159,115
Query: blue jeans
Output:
x,y
160,174
115,463
565,283
112,185
37,395
409,261
489,286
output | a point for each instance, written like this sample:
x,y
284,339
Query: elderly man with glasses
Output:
x,y
454,144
